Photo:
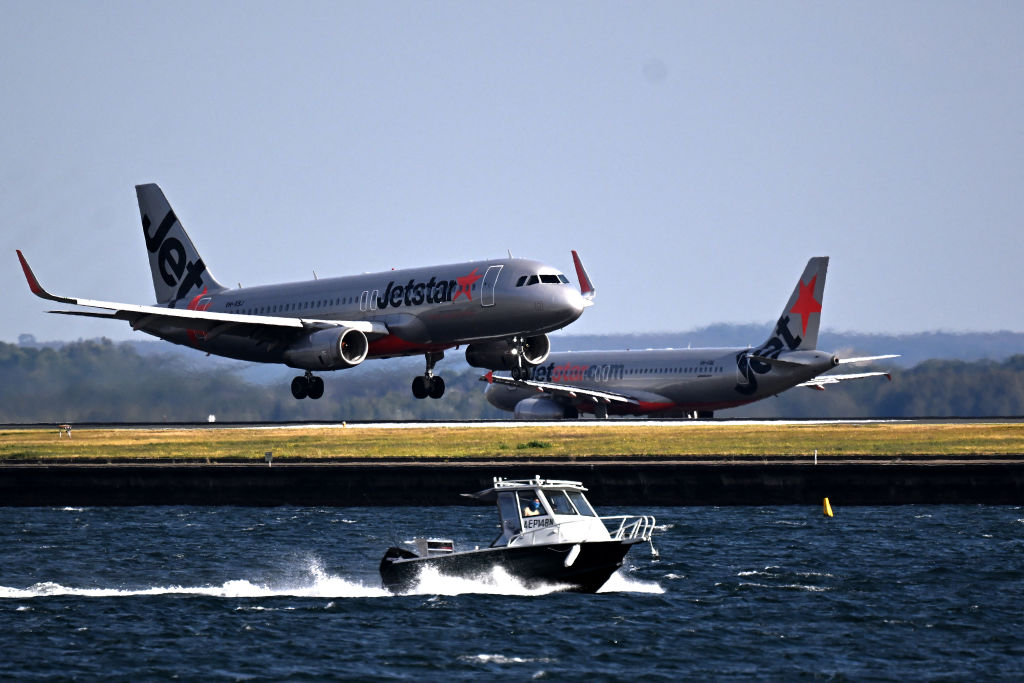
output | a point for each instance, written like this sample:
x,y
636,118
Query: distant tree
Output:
x,y
99,381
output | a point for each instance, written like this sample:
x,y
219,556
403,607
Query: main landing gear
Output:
x,y
429,384
308,385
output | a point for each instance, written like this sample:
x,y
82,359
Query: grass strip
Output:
x,y
557,441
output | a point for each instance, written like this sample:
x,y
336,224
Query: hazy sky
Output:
x,y
695,153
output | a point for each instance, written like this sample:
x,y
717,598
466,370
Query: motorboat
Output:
x,y
550,534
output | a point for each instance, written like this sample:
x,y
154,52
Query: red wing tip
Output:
x,y
490,377
33,284
586,286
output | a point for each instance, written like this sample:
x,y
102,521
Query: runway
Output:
x,y
512,424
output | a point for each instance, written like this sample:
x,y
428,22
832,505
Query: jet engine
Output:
x,y
504,355
335,348
543,408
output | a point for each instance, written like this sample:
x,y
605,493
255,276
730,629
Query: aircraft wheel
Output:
x,y
316,387
419,386
300,387
436,389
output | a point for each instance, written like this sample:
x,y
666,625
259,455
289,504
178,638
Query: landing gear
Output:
x,y
423,386
308,385
428,384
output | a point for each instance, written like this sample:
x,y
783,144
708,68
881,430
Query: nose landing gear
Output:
x,y
308,385
428,384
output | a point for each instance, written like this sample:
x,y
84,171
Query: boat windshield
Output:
x,y
561,505
582,504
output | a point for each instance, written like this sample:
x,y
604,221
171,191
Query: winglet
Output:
x,y
489,377
33,283
586,286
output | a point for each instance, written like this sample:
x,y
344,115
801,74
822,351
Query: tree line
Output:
x,y
102,381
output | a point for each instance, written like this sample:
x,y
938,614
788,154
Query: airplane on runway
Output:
x,y
684,382
501,309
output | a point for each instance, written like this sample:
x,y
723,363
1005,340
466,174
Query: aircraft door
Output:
x,y
487,289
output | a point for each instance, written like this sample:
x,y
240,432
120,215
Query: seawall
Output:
x,y
440,483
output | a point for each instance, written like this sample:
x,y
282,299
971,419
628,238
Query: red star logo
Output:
x,y
466,285
806,303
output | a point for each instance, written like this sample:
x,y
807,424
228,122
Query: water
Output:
x,y
884,593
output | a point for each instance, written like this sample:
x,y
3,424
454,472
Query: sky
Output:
x,y
696,154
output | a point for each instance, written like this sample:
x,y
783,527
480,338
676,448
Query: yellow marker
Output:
x,y
828,509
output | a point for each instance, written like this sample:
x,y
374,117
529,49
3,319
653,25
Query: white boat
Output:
x,y
550,534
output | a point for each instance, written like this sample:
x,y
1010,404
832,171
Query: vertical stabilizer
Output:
x,y
179,273
797,327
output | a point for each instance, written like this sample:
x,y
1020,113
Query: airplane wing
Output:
x,y
561,390
207,321
820,381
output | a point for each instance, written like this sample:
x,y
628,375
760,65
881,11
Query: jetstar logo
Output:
x,y
782,339
433,291
567,372
466,283
806,303
172,262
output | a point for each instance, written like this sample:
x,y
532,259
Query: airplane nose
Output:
x,y
571,302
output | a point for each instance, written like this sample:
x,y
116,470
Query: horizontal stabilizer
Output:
x,y
865,359
820,381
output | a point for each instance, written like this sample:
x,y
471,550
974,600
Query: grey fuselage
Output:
x,y
425,309
670,382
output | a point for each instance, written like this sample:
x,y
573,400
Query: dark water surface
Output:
x,y
884,593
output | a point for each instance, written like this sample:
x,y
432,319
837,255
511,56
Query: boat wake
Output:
x,y
321,585
325,585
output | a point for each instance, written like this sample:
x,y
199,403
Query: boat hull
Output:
x,y
531,565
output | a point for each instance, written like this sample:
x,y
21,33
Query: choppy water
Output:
x,y
894,593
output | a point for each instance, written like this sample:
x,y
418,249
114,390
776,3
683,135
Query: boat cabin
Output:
x,y
543,511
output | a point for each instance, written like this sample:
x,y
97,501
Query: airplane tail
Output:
x,y
797,327
178,271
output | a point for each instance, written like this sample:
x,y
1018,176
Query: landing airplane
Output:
x,y
683,383
501,309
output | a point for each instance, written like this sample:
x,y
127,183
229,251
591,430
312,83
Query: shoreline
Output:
x,y
981,480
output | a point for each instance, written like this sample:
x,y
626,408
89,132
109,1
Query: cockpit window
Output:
x,y
560,504
548,278
580,501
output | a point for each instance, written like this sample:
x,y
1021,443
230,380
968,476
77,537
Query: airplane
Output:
x,y
501,309
683,382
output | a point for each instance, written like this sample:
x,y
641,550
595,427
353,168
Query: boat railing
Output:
x,y
626,527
